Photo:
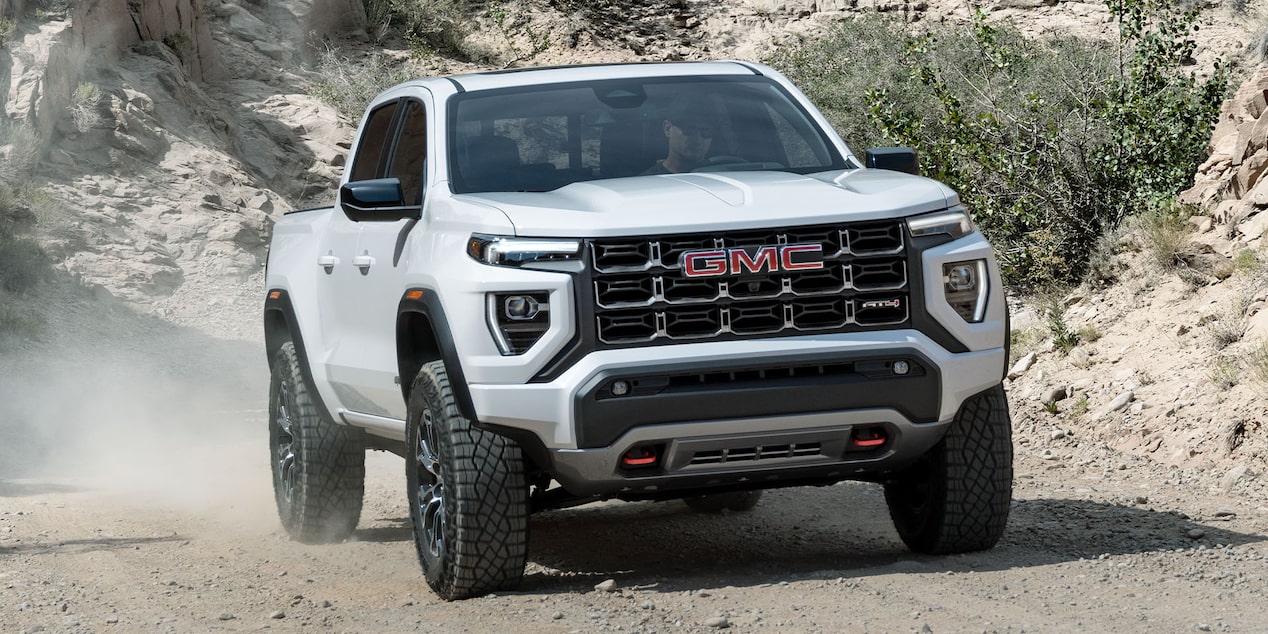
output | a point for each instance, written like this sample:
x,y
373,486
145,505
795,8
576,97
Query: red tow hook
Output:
x,y
642,456
869,437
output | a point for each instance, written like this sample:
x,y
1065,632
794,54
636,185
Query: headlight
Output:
x,y
954,222
505,251
965,286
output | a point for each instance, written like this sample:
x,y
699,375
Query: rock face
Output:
x,y
1230,183
168,171
48,63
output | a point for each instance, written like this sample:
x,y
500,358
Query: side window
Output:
x,y
370,150
410,155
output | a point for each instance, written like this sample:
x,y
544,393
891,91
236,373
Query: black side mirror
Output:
x,y
898,159
378,199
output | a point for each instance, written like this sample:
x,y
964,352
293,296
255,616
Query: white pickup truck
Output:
x,y
544,287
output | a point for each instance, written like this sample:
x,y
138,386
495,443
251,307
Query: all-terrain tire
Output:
x,y
468,495
318,466
956,497
738,501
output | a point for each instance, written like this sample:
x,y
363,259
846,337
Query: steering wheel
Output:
x,y
724,159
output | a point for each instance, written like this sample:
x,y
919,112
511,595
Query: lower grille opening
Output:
x,y
757,453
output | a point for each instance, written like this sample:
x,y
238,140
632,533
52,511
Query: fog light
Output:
x,y
518,320
901,368
964,285
620,388
961,278
521,307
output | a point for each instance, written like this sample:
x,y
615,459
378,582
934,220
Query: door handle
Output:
x,y
327,262
363,262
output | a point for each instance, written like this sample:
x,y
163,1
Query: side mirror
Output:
x,y
378,199
898,159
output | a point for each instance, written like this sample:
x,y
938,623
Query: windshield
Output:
x,y
543,138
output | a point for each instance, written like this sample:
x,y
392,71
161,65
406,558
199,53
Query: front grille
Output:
x,y
642,296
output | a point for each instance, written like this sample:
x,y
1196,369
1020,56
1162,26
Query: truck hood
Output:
x,y
710,201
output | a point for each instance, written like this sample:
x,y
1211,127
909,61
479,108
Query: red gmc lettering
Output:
x,y
704,263
765,260
739,261
786,257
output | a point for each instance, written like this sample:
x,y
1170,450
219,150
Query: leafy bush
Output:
x,y
1050,142
1159,117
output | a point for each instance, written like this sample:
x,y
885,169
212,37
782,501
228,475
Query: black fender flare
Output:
x,y
412,352
280,326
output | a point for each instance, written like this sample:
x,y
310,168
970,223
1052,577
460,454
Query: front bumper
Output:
x,y
758,452
720,413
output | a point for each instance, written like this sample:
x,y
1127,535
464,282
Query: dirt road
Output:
x,y
139,501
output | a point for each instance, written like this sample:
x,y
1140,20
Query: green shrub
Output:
x,y
349,84
7,29
83,106
18,318
1164,232
1226,373
1051,303
1257,359
1050,142
439,23
23,152
514,28
22,263
1160,117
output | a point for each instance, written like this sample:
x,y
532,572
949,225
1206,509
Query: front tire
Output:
x,y
468,495
956,498
318,466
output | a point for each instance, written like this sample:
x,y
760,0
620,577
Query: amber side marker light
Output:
x,y
275,294
414,295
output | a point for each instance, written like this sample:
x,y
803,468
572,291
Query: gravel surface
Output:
x,y
136,497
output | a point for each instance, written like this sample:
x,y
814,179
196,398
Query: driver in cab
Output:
x,y
690,133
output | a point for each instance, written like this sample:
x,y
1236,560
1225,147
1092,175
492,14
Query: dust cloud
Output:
x,y
157,415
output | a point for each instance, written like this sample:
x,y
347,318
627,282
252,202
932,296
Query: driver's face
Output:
x,y
690,141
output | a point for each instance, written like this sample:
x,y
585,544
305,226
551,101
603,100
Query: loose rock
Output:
x,y
718,622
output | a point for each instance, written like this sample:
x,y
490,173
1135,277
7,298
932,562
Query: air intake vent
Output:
x,y
757,453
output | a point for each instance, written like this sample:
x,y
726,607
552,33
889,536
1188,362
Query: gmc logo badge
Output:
x,y
738,261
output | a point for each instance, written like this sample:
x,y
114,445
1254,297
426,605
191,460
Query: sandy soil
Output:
x,y
139,500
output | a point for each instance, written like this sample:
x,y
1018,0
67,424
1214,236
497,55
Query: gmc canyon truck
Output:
x,y
551,286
